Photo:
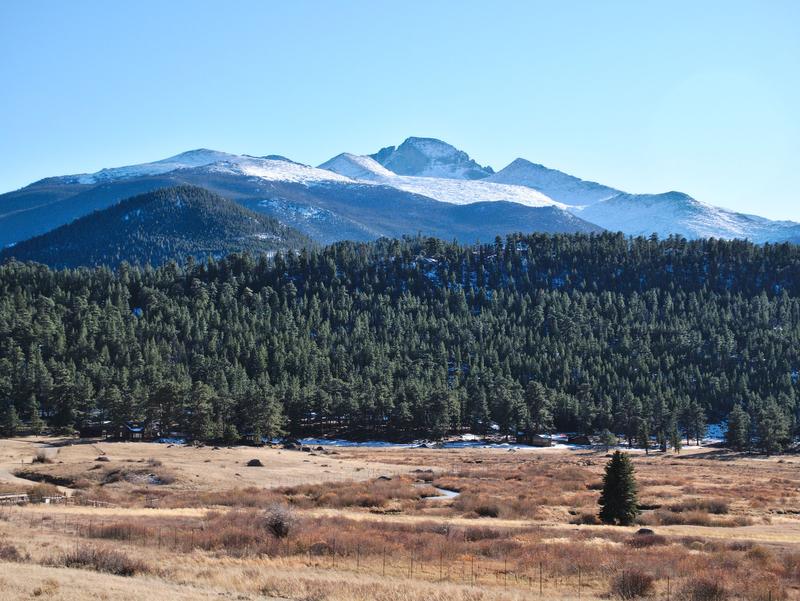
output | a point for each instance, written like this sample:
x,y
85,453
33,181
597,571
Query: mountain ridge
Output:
x,y
168,223
324,201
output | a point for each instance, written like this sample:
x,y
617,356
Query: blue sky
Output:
x,y
702,97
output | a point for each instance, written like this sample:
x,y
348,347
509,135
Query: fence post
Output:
x,y
541,579
441,561
411,567
579,582
384,561
358,557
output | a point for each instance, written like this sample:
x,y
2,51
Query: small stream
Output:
x,y
442,494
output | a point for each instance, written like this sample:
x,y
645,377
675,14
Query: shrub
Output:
x,y
44,456
9,553
632,584
586,519
37,493
642,541
152,462
703,589
279,520
715,506
102,560
487,510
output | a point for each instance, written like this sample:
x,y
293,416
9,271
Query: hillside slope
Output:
x,y
170,223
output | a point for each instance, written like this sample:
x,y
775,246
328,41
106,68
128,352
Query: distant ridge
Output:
x,y
170,223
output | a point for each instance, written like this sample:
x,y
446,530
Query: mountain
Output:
x,y
559,186
409,189
678,213
444,189
324,204
429,157
170,223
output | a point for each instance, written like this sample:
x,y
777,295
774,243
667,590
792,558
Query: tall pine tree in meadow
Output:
x,y
619,503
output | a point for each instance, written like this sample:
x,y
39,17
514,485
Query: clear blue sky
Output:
x,y
702,97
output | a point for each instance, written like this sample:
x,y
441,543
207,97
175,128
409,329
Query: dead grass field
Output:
x,y
197,523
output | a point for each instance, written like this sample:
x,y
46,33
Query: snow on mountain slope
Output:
x,y
454,191
357,167
185,160
557,185
281,170
470,191
678,213
429,157
272,168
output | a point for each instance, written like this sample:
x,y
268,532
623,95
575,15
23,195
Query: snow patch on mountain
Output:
x,y
679,213
185,160
358,167
277,170
557,185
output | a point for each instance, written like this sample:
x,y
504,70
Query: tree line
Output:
x,y
418,337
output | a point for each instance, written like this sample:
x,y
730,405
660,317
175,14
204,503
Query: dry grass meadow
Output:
x,y
153,521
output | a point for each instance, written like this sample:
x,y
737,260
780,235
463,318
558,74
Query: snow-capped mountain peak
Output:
x,y
365,169
430,157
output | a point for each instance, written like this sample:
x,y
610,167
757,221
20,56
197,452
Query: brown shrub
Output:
x,y
102,560
714,506
279,520
10,553
632,584
703,589
45,455
37,493
641,541
120,531
586,519
487,510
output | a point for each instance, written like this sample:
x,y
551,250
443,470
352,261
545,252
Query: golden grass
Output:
x,y
354,536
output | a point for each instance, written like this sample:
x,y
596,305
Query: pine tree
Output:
x,y
201,424
9,419
737,436
772,428
36,424
618,501
540,408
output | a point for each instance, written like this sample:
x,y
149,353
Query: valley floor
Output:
x,y
369,524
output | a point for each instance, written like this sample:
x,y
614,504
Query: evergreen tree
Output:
x,y
772,428
539,407
737,436
200,426
36,424
618,501
9,419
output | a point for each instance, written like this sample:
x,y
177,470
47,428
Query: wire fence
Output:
x,y
534,579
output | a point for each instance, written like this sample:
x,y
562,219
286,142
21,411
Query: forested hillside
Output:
x,y
416,337
170,223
